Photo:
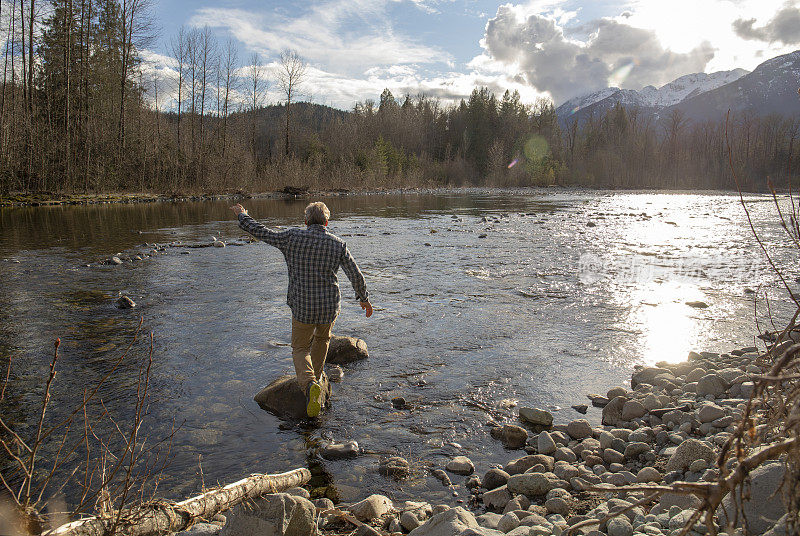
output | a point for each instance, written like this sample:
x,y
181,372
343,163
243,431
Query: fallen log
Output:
x,y
162,517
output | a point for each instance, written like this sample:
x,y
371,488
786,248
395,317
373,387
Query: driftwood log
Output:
x,y
163,517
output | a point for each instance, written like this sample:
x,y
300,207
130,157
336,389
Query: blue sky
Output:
x,y
444,48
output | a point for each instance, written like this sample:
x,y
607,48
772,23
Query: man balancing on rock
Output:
x,y
313,256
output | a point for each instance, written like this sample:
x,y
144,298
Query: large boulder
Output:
x,y
646,375
344,350
765,505
535,416
533,484
284,398
448,523
711,384
689,451
372,507
276,514
612,412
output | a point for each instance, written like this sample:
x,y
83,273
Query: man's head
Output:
x,y
317,213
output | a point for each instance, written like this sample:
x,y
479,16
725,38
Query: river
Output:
x,y
484,300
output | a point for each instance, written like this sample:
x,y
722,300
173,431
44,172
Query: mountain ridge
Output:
x,y
770,88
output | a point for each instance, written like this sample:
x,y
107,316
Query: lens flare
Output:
x,y
618,77
513,163
536,148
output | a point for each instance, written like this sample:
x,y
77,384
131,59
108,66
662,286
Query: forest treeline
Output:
x,y
80,112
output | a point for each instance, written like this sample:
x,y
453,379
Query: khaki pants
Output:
x,y
309,349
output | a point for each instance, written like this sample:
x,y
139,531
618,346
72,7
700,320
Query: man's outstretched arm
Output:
x,y
262,232
357,280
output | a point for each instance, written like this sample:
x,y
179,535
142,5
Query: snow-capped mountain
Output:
x,y
770,89
650,97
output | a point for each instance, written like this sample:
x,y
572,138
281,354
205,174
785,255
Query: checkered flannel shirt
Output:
x,y
313,256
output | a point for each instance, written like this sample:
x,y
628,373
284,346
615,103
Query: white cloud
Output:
x,y
646,42
343,36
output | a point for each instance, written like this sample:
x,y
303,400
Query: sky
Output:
x,y
555,49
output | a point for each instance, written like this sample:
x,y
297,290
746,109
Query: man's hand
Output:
x,y
238,209
367,307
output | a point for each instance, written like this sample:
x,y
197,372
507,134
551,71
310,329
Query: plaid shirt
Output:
x,y
313,256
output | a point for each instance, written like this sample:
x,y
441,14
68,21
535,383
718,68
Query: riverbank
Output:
x,y
19,199
666,430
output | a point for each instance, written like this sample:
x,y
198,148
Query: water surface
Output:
x,y
483,299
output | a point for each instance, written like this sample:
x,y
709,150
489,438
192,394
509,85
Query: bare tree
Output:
x,y
291,75
179,45
257,86
230,63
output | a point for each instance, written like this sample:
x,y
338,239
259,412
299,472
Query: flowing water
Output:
x,y
484,299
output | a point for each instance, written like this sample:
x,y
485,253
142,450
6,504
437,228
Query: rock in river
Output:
x,y
460,465
124,302
394,466
338,451
284,398
536,416
344,350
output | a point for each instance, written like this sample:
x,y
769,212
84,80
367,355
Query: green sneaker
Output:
x,y
314,399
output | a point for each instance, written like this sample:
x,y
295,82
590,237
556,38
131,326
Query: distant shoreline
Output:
x,y
44,199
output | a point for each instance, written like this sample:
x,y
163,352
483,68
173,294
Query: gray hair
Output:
x,y
318,213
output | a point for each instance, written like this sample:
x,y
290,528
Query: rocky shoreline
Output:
x,y
668,427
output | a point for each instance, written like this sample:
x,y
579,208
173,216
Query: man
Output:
x,y
313,256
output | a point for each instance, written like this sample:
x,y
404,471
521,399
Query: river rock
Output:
x,y
765,506
634,449
710,412
488,520
711,384
116,261
339,451
538,417
371,508
648,474
557,505
124,302
581,408
514,436
394,466
619,526
343,350
278,514
451,522
579,429
498,498
494,478
612,413
335,373
414,514
564,454
689,450
545,444
442,477
613,456
508,522
520,465
646,375
633,409
534,484
460,465
284,398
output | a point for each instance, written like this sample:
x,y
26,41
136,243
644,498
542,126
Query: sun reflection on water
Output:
x,y
669,326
